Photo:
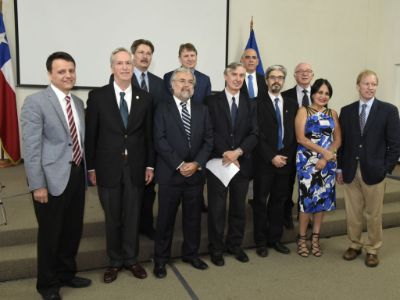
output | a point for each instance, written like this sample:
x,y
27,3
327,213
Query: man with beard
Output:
x,y
183,140
235,136
273,161
299,94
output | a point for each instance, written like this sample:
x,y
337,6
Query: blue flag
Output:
x,y
252,44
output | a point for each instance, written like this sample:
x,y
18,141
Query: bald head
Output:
x,y
303,73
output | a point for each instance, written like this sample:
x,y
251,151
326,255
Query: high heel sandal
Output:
x,y
315,246
302,249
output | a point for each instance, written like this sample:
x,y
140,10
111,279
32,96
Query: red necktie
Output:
x,y
76,150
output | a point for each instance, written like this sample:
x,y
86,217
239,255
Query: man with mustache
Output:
x,y
273,161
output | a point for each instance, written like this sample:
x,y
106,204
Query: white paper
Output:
x,y
223,173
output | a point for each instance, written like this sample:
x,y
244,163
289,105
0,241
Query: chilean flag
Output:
x,y
9,133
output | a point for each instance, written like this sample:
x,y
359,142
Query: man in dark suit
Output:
x,y
370,150
300,94
120,158
53,136
187,55
183,140
273,160
235,136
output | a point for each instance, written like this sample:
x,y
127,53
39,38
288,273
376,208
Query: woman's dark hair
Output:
x,y
317,85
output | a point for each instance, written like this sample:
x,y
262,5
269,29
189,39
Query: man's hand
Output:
x,y
92,177
229,157
188,168
339,178
41,195
279,161
148,176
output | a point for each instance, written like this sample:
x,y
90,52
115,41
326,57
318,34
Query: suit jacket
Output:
x,y
202,88
47,144
261,84
107,137
172,145
156,87
243,135
377,150
267,147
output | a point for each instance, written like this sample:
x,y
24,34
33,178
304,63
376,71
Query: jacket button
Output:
x,y
126,136
360,146
357,158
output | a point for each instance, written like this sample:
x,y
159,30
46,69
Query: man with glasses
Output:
x,y
299,94
273,162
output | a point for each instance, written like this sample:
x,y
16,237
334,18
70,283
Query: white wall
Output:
x,y
338,37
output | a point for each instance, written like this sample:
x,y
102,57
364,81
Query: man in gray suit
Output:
x,y
53,128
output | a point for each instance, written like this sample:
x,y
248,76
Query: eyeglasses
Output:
x,y
308,72
3,216
276,78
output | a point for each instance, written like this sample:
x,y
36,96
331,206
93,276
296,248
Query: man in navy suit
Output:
x,y
235,136
370,150
183,140
299,94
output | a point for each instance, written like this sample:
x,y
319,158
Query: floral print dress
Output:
x,y
316,187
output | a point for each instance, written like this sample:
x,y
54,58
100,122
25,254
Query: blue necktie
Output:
x,y
279,119
363,117
123,108
251,87
234,109
143,84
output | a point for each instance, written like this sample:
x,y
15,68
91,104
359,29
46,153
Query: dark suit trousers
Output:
x,y
169,198
289,201
121,206
146,215
60,223
217,194
271,190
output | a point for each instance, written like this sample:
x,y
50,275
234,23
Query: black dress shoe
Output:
x,y
240,255
262,251
51,296
288,223
196,263
159,270
77,282
281,248
217,259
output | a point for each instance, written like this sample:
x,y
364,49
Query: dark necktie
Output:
x,y
363,117
143,84
123,108
76,149
186,120
251,87
305,101
234,109
279,119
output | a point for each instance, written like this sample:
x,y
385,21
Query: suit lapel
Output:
x,y
57,106
371,116
271,109
113,105
224,105
177,116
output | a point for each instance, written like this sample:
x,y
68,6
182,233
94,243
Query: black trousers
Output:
x,y
60,223
121,205
271,189
146,215
289,200
217,196
169,199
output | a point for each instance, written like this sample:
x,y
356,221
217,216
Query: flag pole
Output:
x,y
251,23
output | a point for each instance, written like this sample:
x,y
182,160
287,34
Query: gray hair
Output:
x,y
232,66
182,70
117,50
275,67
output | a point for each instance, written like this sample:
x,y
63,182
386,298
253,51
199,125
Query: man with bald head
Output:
x,y
300,94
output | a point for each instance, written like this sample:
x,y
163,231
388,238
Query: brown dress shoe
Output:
x,y
351,254
371,260
111,274
137,271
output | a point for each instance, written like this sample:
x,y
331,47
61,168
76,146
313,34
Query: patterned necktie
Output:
x,y
305,101
76,149
279,119
234,110
123,108
251,87
363,117
143,84
186,120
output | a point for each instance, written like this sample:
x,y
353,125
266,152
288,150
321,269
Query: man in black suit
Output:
x,y
300,94
370,150
273,160
183,140
235,136
120,159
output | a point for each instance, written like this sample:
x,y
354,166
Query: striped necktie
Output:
x,y
363,117
186,120
143,84
76,149
123,109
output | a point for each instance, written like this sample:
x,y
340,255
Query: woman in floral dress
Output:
x,y
318,135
